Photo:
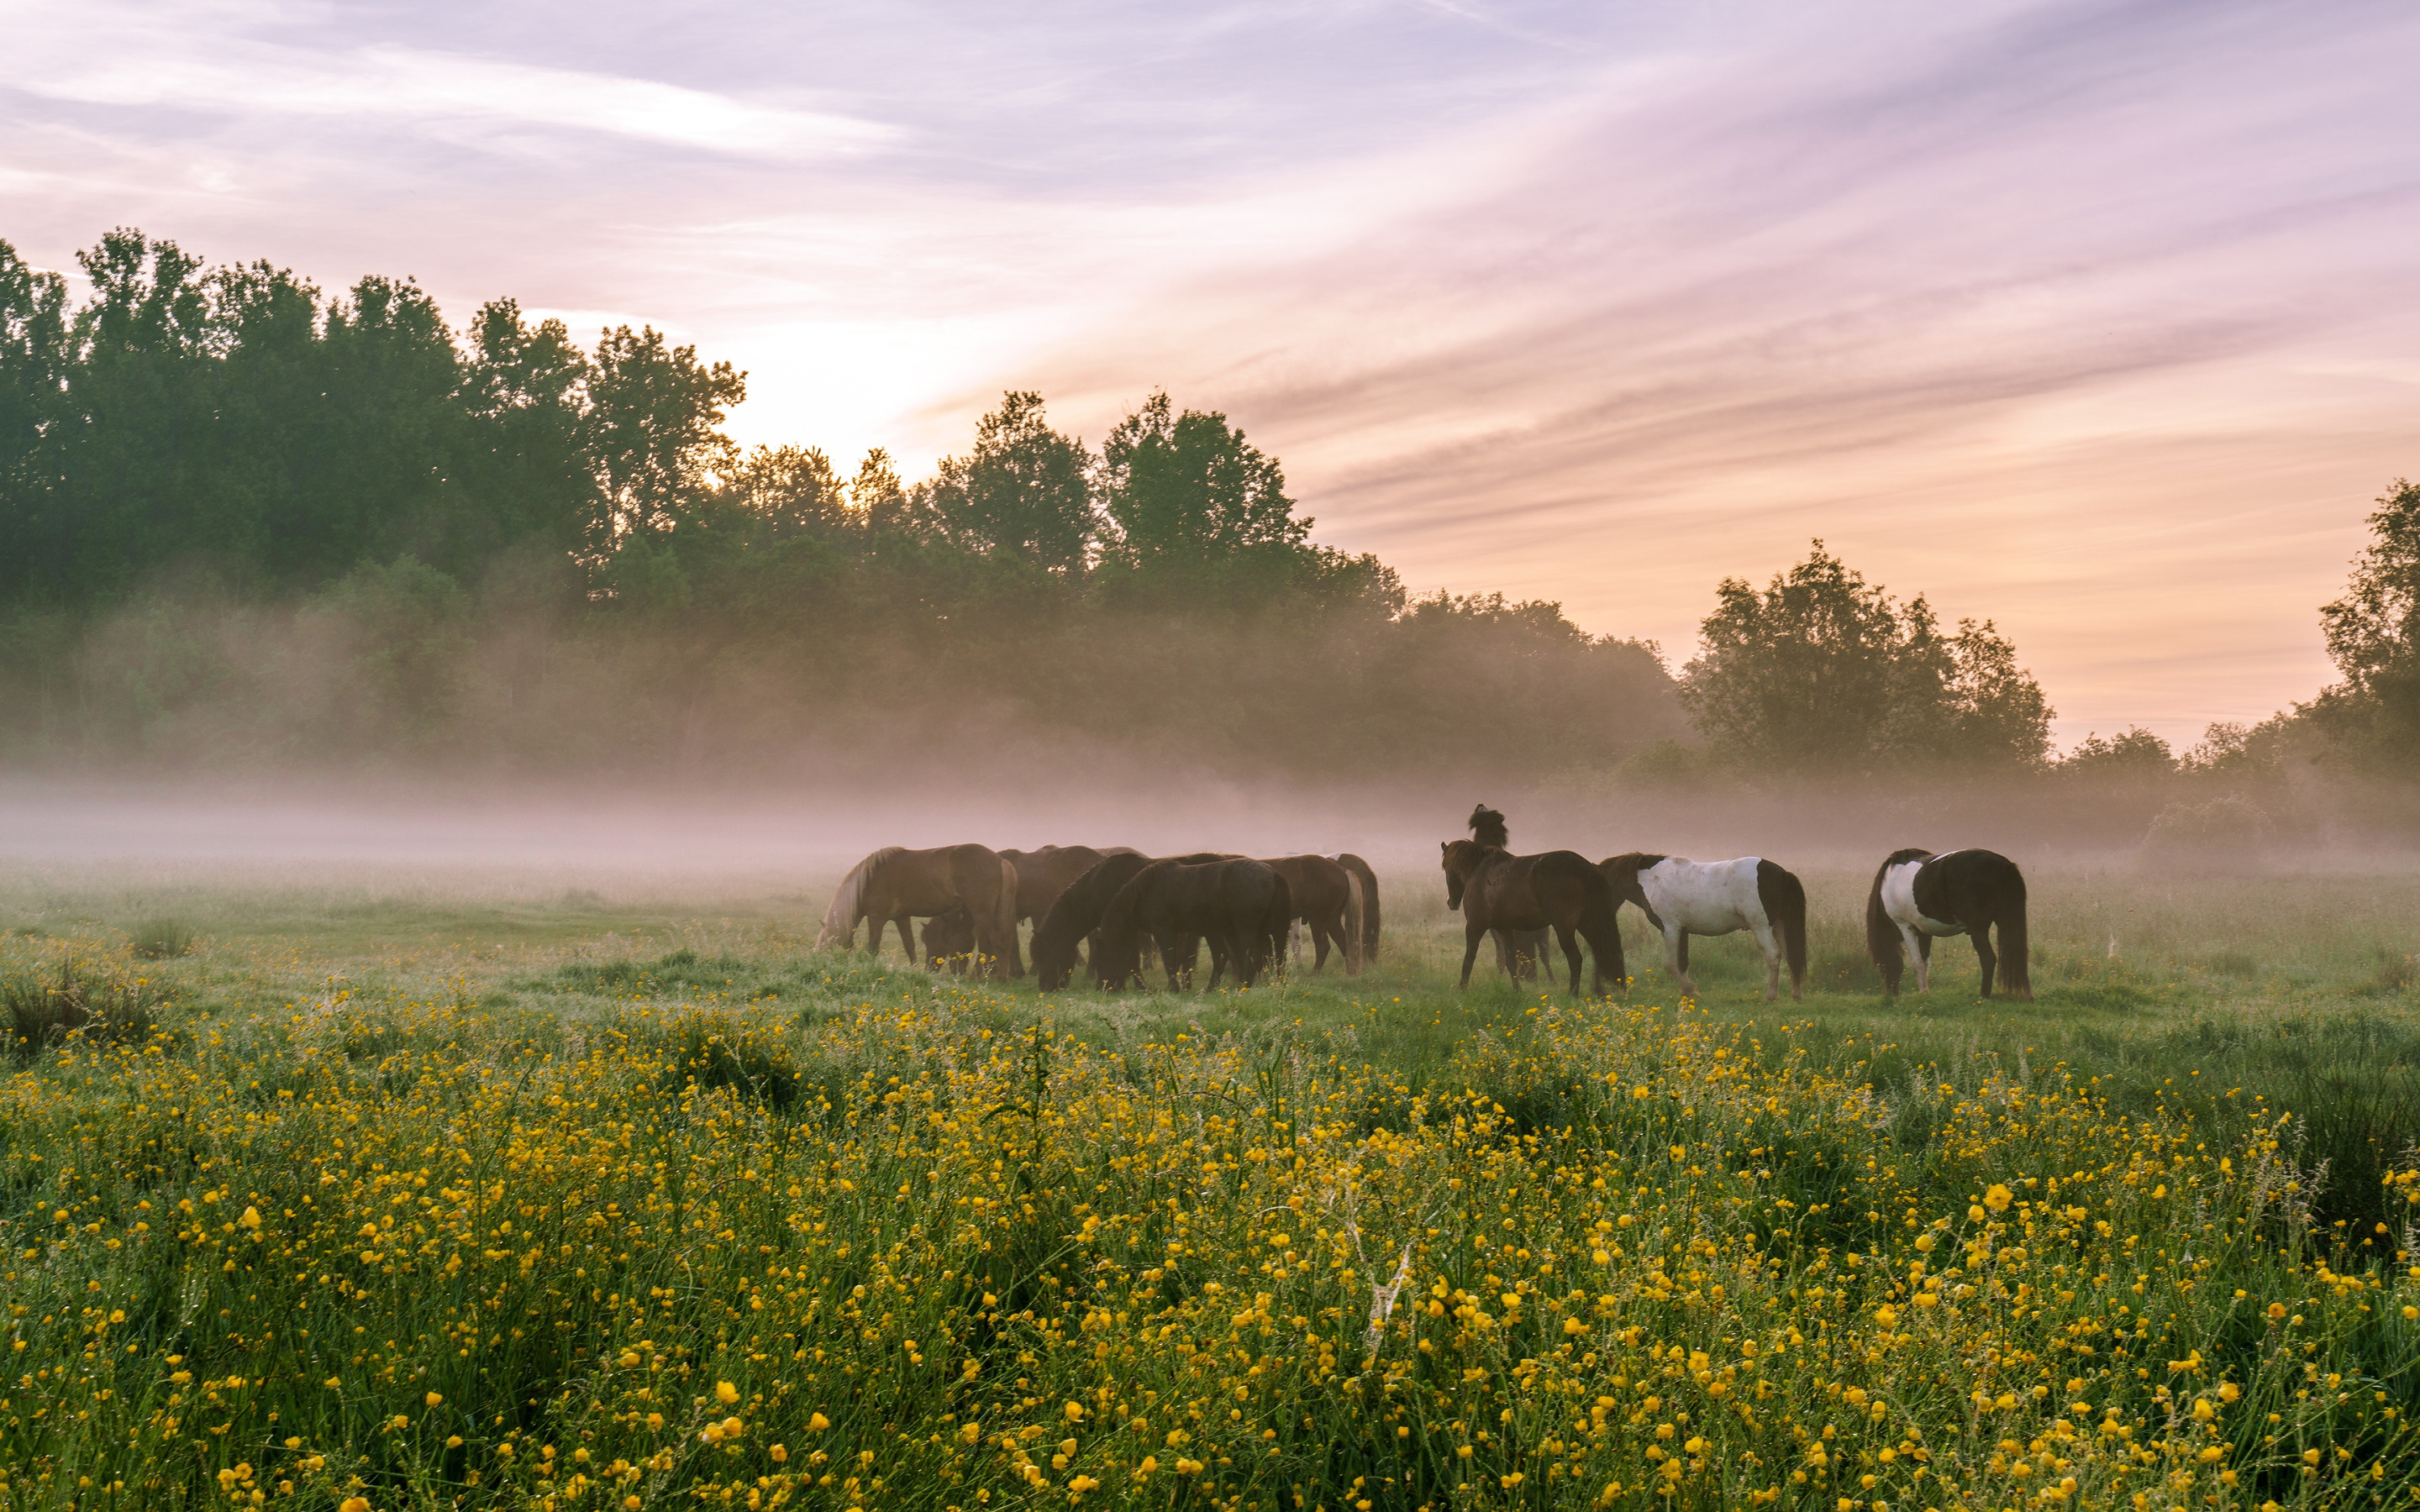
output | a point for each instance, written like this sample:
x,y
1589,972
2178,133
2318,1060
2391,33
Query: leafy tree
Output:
x,y
790,491
2373,635
655,430
524,388
1023,493
2135,755
34,362
876,493
1823,673
1187,491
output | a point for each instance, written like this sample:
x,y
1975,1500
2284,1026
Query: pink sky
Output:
x,y
2094,319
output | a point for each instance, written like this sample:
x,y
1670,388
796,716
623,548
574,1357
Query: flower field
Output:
x,y
913,1245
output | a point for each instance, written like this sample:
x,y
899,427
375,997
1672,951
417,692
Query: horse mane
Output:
x,y
848,902
1488,827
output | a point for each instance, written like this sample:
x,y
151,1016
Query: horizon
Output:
x,y
2086,323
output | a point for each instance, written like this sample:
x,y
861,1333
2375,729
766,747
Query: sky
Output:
x,y
2095,321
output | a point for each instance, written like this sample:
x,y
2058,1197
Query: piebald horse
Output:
x,y
1555,889
1918,895
898,886
1681,897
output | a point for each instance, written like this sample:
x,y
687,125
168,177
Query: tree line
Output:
x,y
245,521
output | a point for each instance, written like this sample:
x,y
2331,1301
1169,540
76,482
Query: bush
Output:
x,y
2227,834
77,1000
161,939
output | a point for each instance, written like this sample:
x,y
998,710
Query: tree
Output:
x,y
791,491
655,430
1187,491
34,361
525,466
877,494
2373,635
1023,493
1823,673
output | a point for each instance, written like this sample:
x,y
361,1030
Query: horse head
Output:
x,y
1460,859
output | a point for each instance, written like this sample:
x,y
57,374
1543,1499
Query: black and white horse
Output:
x,y
1918,895
1681,897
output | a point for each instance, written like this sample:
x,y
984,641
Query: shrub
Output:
x,y
95,1004
161,939
2225,834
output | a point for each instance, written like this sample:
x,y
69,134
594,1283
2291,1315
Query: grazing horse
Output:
x,y
1556,889
1242,907
1076,914
1918,895
1328,897
1041,877
1681,897
1369,880
897,885
1517,951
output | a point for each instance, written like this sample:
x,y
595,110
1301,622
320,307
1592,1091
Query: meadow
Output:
x,y
351,1197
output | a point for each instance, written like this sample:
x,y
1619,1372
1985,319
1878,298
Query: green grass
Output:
x,y
440,1024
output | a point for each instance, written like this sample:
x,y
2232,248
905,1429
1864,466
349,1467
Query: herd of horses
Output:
x,y
1116,912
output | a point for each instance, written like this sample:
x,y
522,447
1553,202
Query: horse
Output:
x,y
1517,951
1918,895
1681,897
1041,877
1556,889
1075,913
895,885
1369,880
1328,897
1241,906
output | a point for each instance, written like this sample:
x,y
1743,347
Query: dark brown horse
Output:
x,y
1074,915
1328,897
1369,880
1555,889
1519,952
1242,907
897,885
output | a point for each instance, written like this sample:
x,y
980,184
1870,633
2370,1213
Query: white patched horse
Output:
x,y
1918,897
1681,897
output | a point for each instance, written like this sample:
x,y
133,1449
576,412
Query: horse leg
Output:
x,y
1981,933
1319,933
907,937
1771,944
1676,948
1923,961
1472,933
1569,940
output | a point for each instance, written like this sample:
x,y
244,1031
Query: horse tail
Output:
x,y
1005,920
849,900
1882,936
2016,968
1369,880
1784,898
1352,922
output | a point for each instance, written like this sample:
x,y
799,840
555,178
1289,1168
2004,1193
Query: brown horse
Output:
x,y
1242,907
1369,880
897,886
1517,951
1041,877
1075,916
1555,889
1328,897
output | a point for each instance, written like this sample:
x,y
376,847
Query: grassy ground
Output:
x,y
336,1056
